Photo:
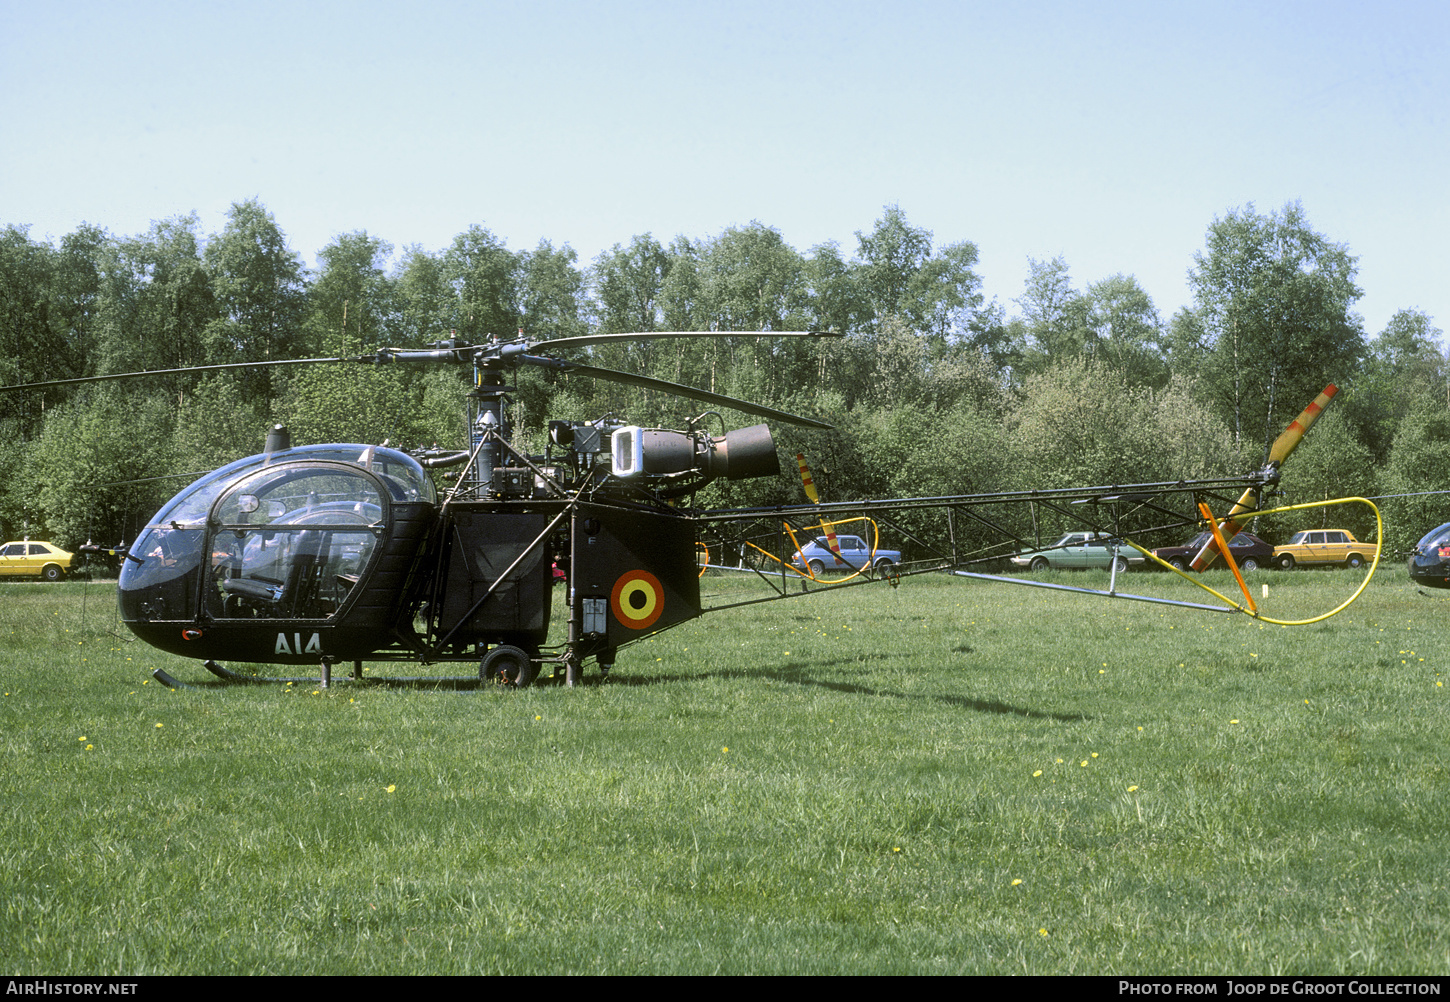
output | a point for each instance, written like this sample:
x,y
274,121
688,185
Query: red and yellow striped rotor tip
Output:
x,y
1289,440
806,480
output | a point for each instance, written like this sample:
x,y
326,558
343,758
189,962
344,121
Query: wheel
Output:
x,y
1249,564
817,568
1286,562
509,665
1355,561
1179,563
1120,564
1040,564
52,572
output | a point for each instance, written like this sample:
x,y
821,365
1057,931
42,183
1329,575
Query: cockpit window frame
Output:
x,y
282,474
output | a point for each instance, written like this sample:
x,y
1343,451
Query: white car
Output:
x,y
1080,549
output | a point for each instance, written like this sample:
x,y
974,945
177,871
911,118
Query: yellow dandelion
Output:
x,y
89,747
1084,763
1037,773
1132,789
1016,881
1042,932
81,738
724,750
158,725
392,787
1233,721
1095,754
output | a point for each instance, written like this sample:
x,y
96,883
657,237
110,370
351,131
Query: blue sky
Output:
x,y
1109,134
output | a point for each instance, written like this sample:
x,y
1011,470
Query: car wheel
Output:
x,y
1040,564
52,572
1121,564
510,665
817,568
1250,564
1286,562
1354,562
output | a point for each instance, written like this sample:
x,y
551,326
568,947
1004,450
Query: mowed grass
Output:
x,y
952,777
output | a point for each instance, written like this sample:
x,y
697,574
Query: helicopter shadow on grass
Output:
x,y
799,673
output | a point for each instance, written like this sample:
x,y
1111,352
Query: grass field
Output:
x,y
951,777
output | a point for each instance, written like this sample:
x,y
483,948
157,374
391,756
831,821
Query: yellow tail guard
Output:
x,y
1282,448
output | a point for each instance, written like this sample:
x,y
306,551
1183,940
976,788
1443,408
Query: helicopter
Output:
x,y
347,552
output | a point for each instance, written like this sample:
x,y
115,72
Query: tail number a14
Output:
x,y
314,644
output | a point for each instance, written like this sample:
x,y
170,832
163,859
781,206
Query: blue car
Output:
x,y
817,558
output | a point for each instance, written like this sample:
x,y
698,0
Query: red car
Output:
x,y
1249,552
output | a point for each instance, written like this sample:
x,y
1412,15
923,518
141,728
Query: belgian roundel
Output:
x,y
637,599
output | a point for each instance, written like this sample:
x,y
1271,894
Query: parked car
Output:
x,y
1429,561
28,558
1079,549
1320,547
1249,552
816,556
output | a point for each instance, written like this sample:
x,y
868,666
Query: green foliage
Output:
x,y
1403,365
1080,385
1273,301
1082,423
1419,468
486,276
258,285
218,423
82,475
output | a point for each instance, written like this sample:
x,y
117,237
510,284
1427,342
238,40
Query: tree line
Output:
x,y
932,390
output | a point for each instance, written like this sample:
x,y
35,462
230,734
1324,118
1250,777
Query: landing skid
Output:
x,y
324,680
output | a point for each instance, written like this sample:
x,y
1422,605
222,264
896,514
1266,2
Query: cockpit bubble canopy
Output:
x,y
291,532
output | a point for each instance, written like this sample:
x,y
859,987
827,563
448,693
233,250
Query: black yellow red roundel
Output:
x,y
637,599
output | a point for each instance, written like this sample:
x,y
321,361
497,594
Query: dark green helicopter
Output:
x,y
346,552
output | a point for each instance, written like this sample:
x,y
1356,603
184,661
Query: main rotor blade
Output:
x,y
705,396
175,372
587,339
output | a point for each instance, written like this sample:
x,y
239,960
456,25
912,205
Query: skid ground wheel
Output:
x,y
509,665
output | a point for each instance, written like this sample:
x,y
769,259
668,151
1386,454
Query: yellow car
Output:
x,y
31,559
1319,547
